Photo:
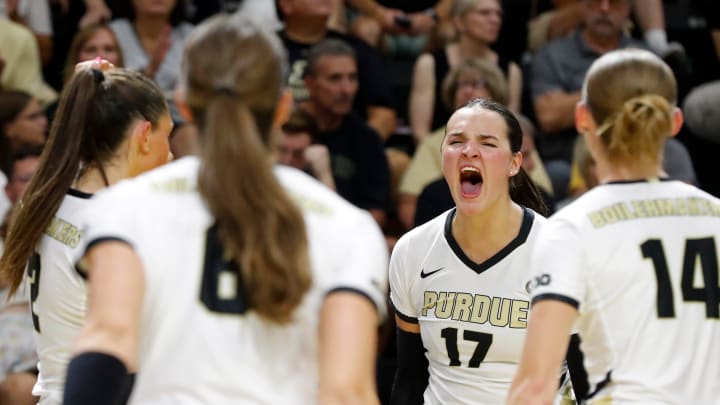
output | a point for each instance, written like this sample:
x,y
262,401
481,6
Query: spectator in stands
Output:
x,y
21,62
35,15
306,25
558,70
478,24
152,40
22,123
359,166
92,41
18,358
568,16
405,20
298,148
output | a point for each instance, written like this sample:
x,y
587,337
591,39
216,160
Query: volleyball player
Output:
x,y
633,263
220,279
459,282
110,125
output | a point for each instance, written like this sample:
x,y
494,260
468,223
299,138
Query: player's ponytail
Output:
x,y
524,192
59,165
259,224
638,129
631,94
91,122
233,79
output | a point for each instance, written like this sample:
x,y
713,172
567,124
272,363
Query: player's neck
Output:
x,y
638,170
484,234
92,179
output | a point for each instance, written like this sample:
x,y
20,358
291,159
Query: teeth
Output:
x,y
470,169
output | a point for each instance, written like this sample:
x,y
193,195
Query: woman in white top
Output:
x,y
220,279
633,263
109,126
459,282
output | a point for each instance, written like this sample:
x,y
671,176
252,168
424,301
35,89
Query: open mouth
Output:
x,y
471,181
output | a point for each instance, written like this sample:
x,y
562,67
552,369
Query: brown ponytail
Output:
x,y
524,192
233,79
94,113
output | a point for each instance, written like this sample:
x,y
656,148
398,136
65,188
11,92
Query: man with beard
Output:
x,y
558,70
357,157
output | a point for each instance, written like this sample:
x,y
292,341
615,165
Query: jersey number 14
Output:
x,y
696,250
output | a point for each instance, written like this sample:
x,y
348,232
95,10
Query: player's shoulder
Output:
x,y
315,199
423,236
174,177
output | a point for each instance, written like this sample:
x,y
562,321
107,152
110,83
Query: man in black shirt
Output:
x,y
306,25
357,157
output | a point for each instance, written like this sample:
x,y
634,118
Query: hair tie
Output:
x,y
98,75
225,91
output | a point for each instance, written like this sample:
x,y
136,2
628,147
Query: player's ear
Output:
x,y
584,122
140,137
678,119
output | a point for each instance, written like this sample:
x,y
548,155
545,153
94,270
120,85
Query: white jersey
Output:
x,y
194,347
58,295
639,260
472,316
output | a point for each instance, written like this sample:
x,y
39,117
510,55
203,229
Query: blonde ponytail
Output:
x,y
638,129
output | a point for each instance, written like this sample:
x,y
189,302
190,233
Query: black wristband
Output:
x,y
96,378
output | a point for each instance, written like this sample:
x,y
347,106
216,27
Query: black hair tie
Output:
x,y
98,75
225,91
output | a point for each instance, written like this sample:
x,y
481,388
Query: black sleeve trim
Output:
x,y
556,297
355,291
92,244
408,319
98,241
80,272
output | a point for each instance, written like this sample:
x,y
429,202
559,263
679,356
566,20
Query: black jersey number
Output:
x,y
33,274
222,285
484,340
700,251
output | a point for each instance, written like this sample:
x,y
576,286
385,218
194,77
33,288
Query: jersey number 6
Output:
x,y
222,285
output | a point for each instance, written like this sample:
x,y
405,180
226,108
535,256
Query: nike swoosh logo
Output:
x,y
423,274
